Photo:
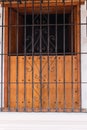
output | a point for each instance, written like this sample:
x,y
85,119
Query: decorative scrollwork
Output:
x,y
42,42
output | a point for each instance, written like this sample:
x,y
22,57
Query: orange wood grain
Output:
x,y
48,99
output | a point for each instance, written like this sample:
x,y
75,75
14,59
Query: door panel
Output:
x,y
52,95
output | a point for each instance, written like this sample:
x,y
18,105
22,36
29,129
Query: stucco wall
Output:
x,y
84,55
45,121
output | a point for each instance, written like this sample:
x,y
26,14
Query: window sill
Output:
x,y
41,121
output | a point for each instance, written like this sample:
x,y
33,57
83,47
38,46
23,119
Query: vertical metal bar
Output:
x,y
2,85
80,54
64,55
17,24
25,57
9,46
40,55
56,60
72,52
32,55
48,62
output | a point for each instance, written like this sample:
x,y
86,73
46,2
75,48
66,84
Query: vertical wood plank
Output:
x,y
36,97
36,69
36,82
52,96
76,85
76,60
68,84
60,73
45,96
20,81
44,83
12,82
52,82
29,69
52,69
29,82
29,96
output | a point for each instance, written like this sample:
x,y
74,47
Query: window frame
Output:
x,y
76,42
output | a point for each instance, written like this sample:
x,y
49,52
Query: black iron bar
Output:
x,y
80,54
25,56
40,55
72,50
50,82
64,56
27,25
47,82
48,60
51,54
17,35
32,56
56,58
9,49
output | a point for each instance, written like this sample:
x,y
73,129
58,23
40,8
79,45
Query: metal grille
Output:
x,y
43,54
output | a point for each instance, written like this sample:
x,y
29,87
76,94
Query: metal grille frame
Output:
x,y
41,56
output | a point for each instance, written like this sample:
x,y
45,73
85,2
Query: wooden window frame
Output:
x,y
76,42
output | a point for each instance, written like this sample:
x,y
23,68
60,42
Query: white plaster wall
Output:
x,y
84,55
43,121
1,68
56,121
0,50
